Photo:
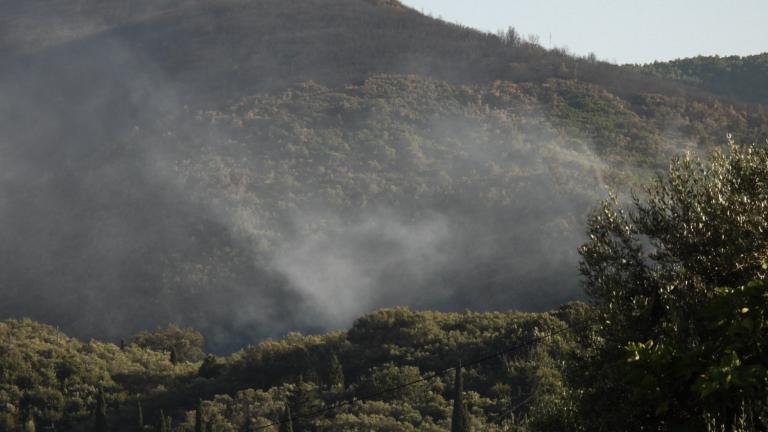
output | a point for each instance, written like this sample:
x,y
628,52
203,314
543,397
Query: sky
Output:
x,y
621,31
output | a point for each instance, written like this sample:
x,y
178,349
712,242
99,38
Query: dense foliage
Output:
x,y
719,381
673,276
51,379
185,344
735,77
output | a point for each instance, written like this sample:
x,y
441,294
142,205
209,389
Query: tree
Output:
x,y
29,425
163,423
139,413
210,368
510,37
726,371
652,269
8,421
199,423
100,423
187,343
702,226
286,423
303,401
336,373
174,357
460,417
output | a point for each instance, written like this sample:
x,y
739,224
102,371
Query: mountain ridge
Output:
x,y
737,78
239,45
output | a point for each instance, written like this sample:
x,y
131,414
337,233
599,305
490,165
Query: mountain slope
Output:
x,y
735,77
307,207
161,165
226,47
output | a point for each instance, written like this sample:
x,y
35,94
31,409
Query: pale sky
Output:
x,y
623,31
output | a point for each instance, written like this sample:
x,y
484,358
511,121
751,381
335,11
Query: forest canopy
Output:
x,y
675,339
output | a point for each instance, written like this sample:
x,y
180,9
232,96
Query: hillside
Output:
x,y
734,77
308,207
250,388
576,368
307,215
250,168
224,48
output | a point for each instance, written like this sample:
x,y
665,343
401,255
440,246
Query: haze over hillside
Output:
x,y
251,167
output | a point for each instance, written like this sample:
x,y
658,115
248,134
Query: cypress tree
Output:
x,y
460,418
174,356
286,424
336,373
140,413
302,400
163,425
199,425
100,423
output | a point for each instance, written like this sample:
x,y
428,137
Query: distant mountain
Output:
x,y
251,167
734,77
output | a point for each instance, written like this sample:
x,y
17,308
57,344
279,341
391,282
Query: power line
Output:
x,y
429,377
511,410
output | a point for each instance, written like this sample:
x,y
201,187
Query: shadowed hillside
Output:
x,y
226,47
251,167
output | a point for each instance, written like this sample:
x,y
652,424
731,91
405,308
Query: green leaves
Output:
x,y
726,366
676,270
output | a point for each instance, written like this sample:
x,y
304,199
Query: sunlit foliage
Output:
x,y
657,271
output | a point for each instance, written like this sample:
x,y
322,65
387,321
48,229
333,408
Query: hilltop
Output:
x,y
225,48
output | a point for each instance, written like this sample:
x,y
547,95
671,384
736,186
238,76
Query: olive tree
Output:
x,y
702,225
652,266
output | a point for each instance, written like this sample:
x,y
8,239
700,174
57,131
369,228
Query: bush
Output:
x,y
186,343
